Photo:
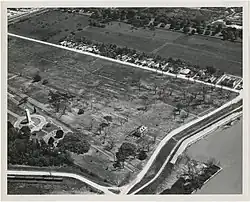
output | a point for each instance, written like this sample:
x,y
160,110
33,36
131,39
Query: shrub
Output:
x,y
72,143
37,78
108,118
48,125
51,141
59,134
45,81
80,111
127,149
142,155
207,32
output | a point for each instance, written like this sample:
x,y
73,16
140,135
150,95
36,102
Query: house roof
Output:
x,y
185,71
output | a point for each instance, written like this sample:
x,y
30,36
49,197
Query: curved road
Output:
x,y
139,177
184,145
63,174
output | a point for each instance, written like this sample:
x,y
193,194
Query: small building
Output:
x,y
139,131
185,71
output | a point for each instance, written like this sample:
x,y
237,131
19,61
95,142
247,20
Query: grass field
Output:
x,y
224,55
50,26
111,87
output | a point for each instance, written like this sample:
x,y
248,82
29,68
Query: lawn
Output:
x,y
197,50
102,88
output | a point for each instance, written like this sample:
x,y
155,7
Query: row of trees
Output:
x,y
231,34
114,51
141,19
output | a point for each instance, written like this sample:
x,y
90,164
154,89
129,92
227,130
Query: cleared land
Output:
x,y
224,55
114,92
229,180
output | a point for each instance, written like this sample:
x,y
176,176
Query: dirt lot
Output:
x,y
104,88
67,186
203,51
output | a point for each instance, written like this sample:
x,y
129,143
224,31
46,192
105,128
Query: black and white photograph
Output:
x,y
124,100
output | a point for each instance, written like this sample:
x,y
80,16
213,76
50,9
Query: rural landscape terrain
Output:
x,y
112,100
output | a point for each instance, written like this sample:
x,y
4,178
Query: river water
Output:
x,y
226,147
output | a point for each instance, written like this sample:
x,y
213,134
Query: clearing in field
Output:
x,y
105,102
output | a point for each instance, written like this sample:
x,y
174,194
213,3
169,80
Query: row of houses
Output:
x,y
186,71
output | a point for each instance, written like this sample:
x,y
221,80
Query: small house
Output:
x,y
139,131
185,71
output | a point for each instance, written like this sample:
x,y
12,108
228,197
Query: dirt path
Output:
x,y
226,147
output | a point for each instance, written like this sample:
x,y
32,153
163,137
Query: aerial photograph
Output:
x,y
124,100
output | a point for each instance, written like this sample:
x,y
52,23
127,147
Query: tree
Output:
x,y
25,132
186,30
80,111
183,115
73,143
59,134
130,14
10,125
155,88
37,78
51,141
207,32
108,118
142,155
212,161
109,146
120,158
178,107
20,145
127,149
210,69
45,81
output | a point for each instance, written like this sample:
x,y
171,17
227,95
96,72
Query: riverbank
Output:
x,y
226,147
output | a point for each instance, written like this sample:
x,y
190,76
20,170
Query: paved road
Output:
x,y
121,62
166,139
62,174
150,162
202,134
16,18
183,146
226,147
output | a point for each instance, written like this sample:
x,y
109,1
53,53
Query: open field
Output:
x,y
50,26
67,186
229,180
104,88
224,55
